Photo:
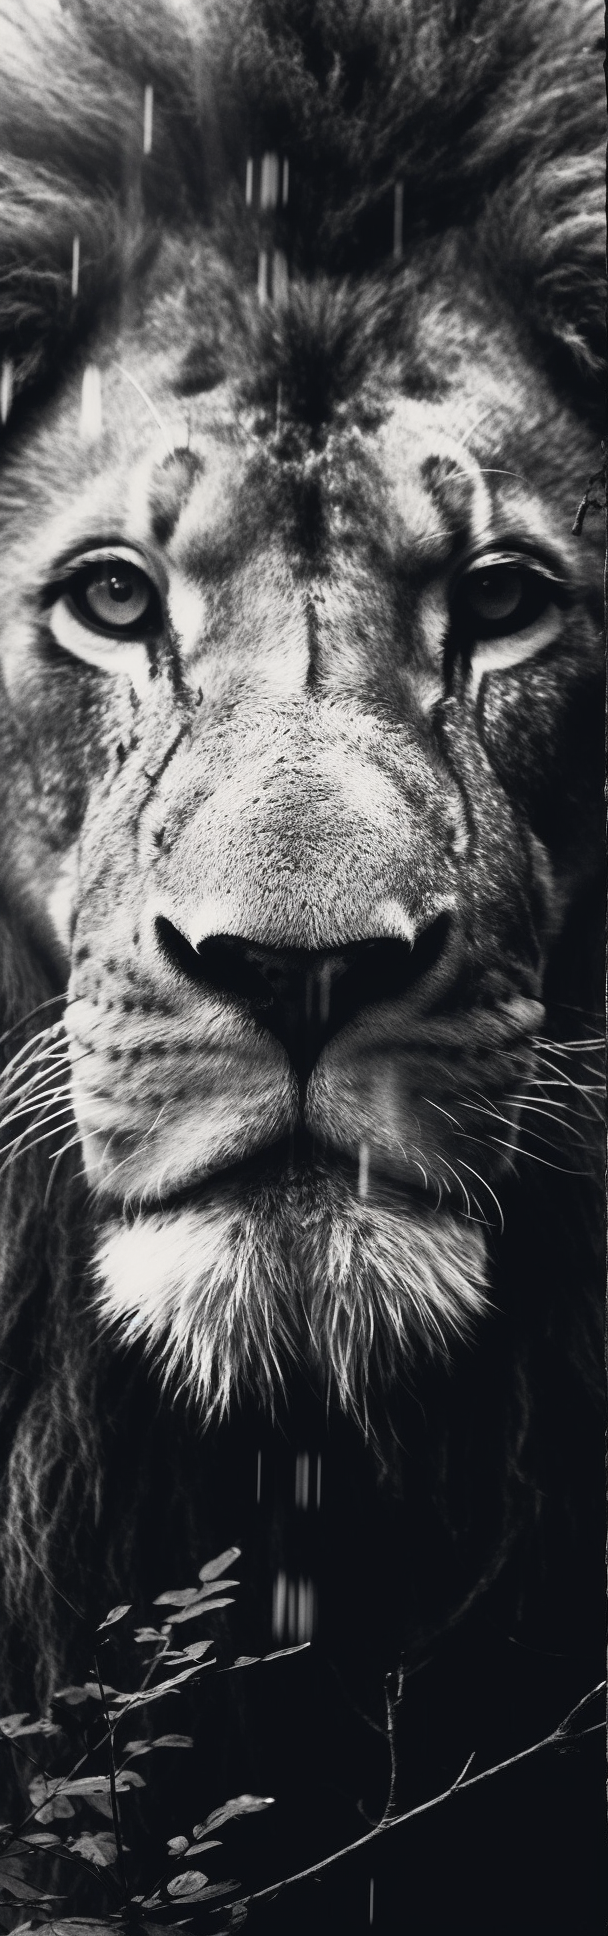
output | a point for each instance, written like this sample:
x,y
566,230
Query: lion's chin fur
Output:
x,y
225,1294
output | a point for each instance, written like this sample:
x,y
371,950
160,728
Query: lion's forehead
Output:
x,y
405,486
210,481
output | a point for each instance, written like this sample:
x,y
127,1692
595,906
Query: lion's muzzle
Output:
x,y
302,996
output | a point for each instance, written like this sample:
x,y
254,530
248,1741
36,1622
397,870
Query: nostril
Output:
x,y
305,996
176,949
225,964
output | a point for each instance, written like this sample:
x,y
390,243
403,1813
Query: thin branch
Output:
x,y
120,1853
393,1690
557,1738
59,1852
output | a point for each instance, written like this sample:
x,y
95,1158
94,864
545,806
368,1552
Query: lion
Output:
x,y
301,816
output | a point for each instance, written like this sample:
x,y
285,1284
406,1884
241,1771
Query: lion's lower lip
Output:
x,y
292,1158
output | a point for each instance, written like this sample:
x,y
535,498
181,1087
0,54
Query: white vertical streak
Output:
x,y
363,1180
291,1610
6,388
91,421
148,118
302,1479
249,182
262,278
285,185
398,222
269,181
75,264
279,1596
280,277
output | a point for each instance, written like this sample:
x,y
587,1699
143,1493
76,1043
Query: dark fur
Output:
x,y
488,116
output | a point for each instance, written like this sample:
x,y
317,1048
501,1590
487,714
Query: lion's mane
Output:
x,y
485,114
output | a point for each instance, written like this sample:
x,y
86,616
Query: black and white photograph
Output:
x,y
302,968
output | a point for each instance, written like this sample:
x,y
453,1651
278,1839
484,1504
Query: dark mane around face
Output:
x,y
478,1490
487,118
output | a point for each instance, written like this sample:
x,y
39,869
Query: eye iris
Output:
x,y
495,594
116,597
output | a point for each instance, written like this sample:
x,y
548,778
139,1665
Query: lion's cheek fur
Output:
x,y
223,1296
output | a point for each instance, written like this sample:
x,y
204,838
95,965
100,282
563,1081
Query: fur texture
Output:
x,y
313,755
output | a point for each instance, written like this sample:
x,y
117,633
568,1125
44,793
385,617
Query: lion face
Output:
x,y
296,697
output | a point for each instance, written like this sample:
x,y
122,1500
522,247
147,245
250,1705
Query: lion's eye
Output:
x,y
495,594
114,596
106,610
498,598
504,608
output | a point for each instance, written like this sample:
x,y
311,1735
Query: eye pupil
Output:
x,y
120,589
496,593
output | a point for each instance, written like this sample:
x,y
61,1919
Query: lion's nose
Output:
x,y
305,996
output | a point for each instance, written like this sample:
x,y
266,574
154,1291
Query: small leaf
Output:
x,y
246,1660
213,1568
137,1747
182,1597
282,1652
39,1789
202,1606
102,1805
43,1839
156,1693
196,1649
80,1926
199,1848
10,1723
177,1845
92,1688
173,1741
92,1785
216,1586
115,1614
74,1696
35,1727
87,1785
240,1805
100,1849
187,1887
58,1809
143,1634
